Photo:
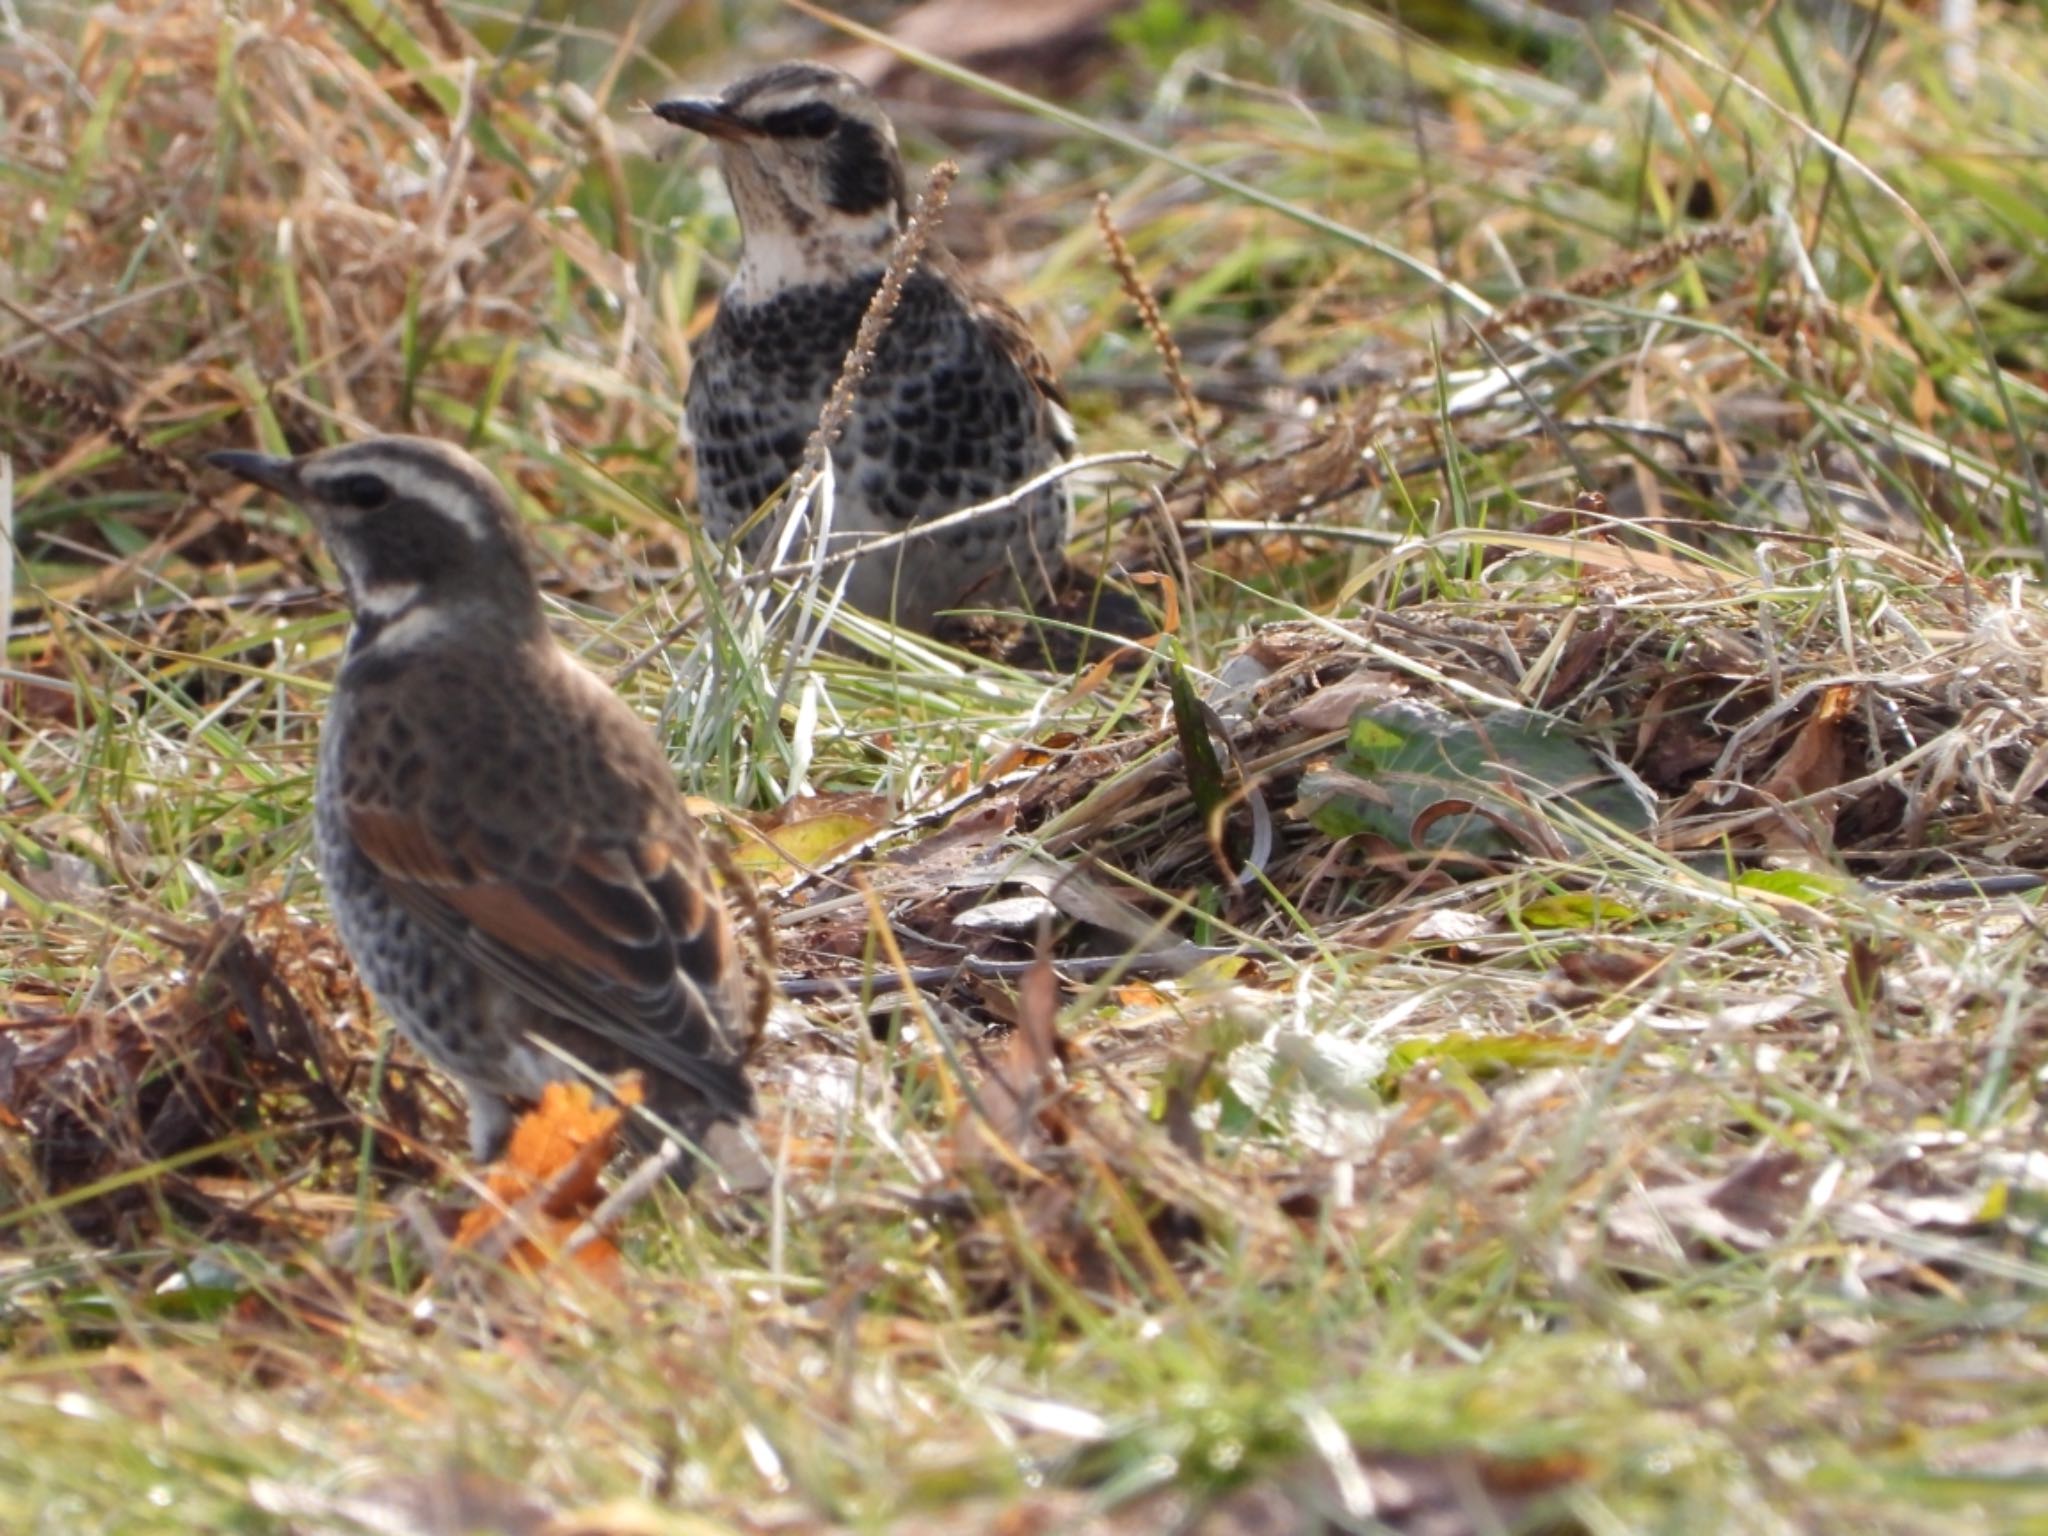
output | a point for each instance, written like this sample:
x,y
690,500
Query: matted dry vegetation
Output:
x,y
1512,1002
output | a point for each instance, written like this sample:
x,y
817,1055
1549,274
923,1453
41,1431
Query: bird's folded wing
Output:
x,y
623,941
1013,338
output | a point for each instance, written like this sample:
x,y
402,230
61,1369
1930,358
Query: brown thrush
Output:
x,y
504,848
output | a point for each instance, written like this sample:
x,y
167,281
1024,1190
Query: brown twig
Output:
x,y
1155,325
1611,277
447,36
903,257
88,415
742,893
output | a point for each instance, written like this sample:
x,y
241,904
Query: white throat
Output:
x,y
773,261
392,616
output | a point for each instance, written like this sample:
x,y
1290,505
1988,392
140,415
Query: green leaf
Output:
x,y
1799,884
1404,762
1197,749
1484,1056
1577,909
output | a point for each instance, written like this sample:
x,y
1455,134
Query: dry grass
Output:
x,y
1230,1086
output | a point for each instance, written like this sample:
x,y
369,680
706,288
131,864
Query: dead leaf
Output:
x,y
805,834
1606,971
1449,929
547,1179
1814,761
1007,914
1333,708
1749,1209
1863,971
1025,1078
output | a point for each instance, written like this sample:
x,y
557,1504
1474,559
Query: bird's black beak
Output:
x,y
266,470
709,118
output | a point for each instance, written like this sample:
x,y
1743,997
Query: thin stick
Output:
x,y
810,487
87,414
903,256
1155,325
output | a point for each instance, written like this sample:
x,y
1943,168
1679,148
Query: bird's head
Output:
x,y
815,175
421,531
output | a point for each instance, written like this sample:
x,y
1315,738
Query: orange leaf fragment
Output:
x,y
549,1176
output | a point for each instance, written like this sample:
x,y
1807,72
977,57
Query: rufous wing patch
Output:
x,y
399,846
533,921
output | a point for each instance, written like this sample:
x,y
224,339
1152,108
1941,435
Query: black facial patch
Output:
x,y
861,174
811,120
408,542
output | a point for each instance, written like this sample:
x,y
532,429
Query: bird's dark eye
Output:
x,y
364,492
812,120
